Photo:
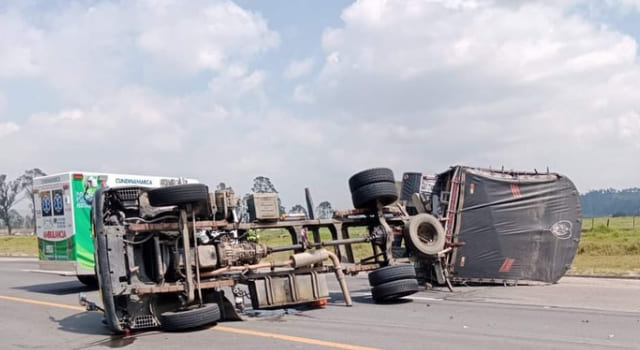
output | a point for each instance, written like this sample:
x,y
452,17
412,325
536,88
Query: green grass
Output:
x,y
603,241
280,237
18,245
613,250
624,223
606,265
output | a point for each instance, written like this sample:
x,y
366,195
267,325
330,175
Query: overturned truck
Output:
x,y
166,256
498,226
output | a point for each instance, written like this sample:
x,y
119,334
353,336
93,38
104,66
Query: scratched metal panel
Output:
x,y
288,290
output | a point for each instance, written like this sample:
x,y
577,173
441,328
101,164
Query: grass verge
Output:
x,y
609,251
18,246
606,265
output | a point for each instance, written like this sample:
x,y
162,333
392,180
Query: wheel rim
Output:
x,y
427,234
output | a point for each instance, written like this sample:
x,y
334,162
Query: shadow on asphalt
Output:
x,y
91,323
337,299
83,322
58,288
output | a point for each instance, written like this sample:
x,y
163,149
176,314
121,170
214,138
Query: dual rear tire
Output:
x,y
196,195
372,187
393,282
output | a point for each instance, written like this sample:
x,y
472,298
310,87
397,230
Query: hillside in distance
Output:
x,y
610,201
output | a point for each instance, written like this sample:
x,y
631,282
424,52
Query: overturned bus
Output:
x,y
165,257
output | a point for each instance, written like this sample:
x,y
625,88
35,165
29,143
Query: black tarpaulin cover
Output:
x,y
516,226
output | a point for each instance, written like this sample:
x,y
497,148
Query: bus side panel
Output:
x,y
82,199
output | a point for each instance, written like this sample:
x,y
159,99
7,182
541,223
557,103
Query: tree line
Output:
x,y
10,191
611,202
603,202
262,184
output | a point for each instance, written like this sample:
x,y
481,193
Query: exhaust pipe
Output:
x,y
306,259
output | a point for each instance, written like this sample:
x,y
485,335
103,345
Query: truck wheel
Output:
x,y
190,318
369,195
424,234
179,195
370,176
90,281
391,273
394,290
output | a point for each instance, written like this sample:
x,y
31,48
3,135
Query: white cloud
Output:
x,y
235,82
181,88
8,128
85,51
135,128
199,35
299,68
624,4
302,94
485,83
20,46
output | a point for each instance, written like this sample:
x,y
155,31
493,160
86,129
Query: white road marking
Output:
x,y
51,272
422,298
16,259
367,294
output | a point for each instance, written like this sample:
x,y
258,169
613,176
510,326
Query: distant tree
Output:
x,y
16,219
223,186
262,184
8,192
297,209
610,201
27,184
324,210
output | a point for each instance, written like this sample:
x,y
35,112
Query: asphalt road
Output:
x,y
39,311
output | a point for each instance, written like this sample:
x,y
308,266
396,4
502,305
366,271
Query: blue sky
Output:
x,y
310,92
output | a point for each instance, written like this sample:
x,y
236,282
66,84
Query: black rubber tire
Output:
x,y
369,195
391,273
370,176
178,195
394,290
424,235
88,280
190,318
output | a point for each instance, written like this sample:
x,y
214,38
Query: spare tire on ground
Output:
x,y
179,195
370,176
391,273
394,290
368,196
196,316
424,235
